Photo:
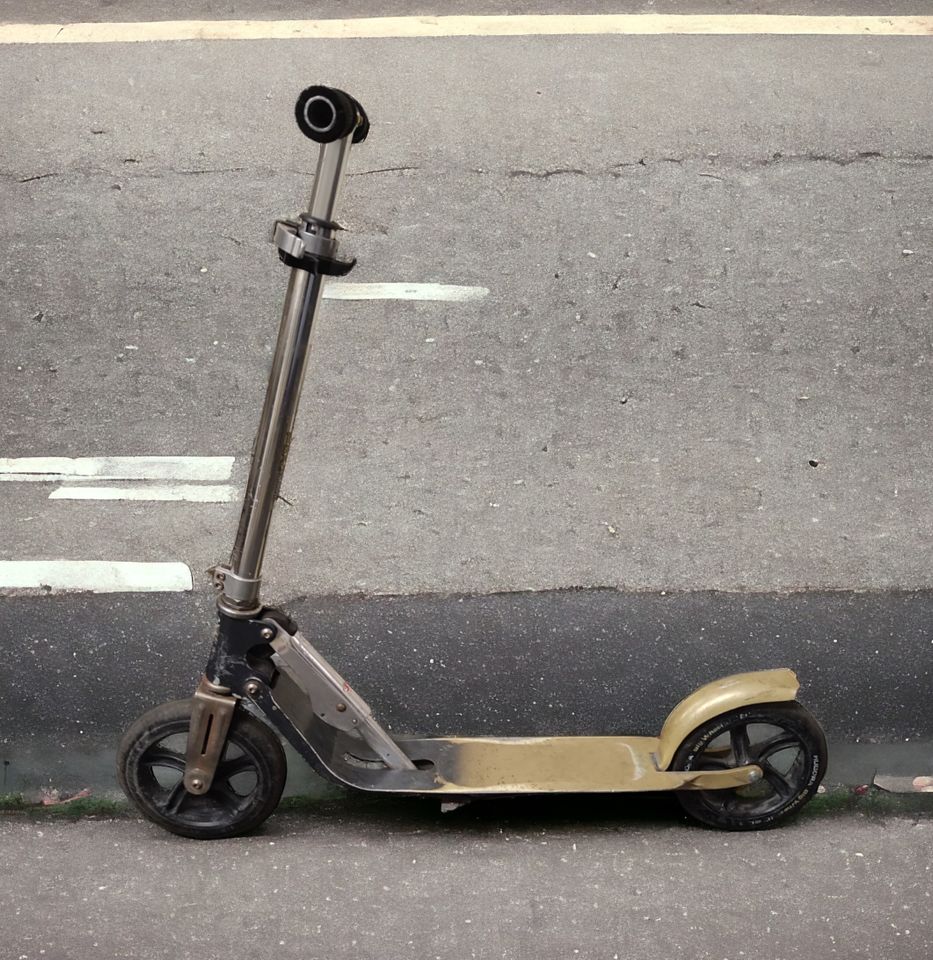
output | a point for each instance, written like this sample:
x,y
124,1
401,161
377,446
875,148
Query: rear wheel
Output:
x,y
246,788
784,739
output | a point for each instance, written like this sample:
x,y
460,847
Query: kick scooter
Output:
x,y
740,752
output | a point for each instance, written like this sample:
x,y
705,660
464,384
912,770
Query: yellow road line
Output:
x,y
502,26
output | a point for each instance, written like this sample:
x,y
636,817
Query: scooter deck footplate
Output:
x,y
516,765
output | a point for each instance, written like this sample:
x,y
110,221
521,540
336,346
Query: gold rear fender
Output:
x,y
721,696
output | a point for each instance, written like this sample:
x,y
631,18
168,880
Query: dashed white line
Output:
x,y
45,469
193,493
93,576
469,26
403,291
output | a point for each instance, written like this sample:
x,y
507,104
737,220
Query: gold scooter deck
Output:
x,y
515,765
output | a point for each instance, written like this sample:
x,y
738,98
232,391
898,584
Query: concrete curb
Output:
x,y
565,662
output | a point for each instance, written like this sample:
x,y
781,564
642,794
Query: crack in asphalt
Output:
x,y
840,160
615,171
368,173
547,174
188,172
199,172
843,160
38,176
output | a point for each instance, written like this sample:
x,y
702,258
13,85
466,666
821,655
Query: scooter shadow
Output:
x,y
481,816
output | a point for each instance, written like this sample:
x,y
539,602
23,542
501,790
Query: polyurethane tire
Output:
x,y
245,791
784,739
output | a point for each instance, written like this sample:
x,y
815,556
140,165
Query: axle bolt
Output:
x,y
197,783
267,633
252,688
341,707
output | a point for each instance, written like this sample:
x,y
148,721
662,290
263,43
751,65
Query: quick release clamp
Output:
x,y
308,243
335,120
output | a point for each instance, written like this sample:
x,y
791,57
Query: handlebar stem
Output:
x,y
331,169
239,582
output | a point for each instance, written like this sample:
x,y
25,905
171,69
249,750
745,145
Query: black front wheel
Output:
x,y
784,739
246,788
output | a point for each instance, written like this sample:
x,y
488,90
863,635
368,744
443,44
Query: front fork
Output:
x,y
212,709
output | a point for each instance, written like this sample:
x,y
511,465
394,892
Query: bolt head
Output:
x,y
252,688
753,776
197,783
266,633
341,707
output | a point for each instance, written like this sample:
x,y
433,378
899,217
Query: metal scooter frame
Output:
x,y
259,655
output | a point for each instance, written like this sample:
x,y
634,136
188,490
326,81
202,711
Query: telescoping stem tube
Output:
x,y
280,407
275,426
331,167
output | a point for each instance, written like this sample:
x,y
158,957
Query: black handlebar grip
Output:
x,y
325,114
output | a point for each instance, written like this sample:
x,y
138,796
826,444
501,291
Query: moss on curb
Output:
x,y
79,808
875,802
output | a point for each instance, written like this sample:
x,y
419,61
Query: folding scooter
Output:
x,y
740,752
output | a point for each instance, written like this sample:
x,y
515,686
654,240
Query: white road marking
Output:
x,y
31,477
205,469
194,493
402,291
94,576
468,26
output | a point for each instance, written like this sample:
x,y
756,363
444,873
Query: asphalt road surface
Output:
x,y
701,366
508,880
